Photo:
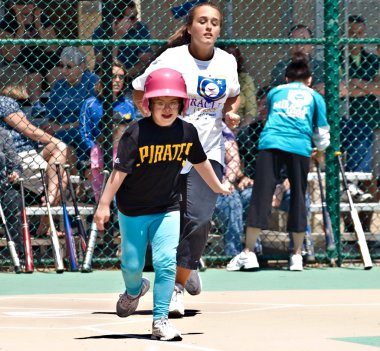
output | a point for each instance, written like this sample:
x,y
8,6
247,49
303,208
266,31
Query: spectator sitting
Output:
x,y
248,105
229,210
65,102
24,20
126,25
298,31
12,118
301,31
92,113
10,170
362,124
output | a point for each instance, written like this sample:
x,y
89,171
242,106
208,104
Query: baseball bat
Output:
x,y
29,265
58,261
10,243
355,218
86,267
327,227
73,263
78,220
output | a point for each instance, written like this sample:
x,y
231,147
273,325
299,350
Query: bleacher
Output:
x,y
279,235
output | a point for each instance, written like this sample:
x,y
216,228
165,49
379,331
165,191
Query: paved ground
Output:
x,y
335,309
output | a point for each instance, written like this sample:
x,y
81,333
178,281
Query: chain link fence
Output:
x,y
69,65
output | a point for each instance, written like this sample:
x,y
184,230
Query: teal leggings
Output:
x,y
162,230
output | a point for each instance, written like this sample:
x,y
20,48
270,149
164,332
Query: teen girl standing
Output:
x,y
296,121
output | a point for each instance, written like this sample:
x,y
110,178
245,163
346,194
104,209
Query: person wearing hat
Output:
x,y
126,25
145,179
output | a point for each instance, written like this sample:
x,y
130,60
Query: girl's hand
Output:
x,y
102,215
227,189
318,156
244,183
232,120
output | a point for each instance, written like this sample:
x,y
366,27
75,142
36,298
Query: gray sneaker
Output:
x,y
163,330
357,194
194,283
126,305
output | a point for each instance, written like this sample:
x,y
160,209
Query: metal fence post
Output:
x,y
332,63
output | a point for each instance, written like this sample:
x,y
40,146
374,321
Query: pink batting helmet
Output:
x,y
165,82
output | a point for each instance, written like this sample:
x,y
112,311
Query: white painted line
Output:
x,y
43,313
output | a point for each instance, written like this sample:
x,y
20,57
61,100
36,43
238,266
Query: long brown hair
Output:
x,y
181,35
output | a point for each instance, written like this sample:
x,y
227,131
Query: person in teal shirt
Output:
x,y
296,123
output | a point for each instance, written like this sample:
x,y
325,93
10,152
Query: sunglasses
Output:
x,y
118,76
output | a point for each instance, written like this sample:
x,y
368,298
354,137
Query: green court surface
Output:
x,y
213,280
368,340
331,309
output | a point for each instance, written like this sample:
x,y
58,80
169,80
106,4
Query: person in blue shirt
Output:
x,y
126,25
296,120
66,99
25,19
92,113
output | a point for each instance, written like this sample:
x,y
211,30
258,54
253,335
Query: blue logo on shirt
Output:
x,y
211,89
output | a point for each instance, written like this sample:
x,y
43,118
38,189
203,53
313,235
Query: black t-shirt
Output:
x,y
153,157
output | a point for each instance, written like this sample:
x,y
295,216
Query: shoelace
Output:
x,y
164,323
125,298
177,292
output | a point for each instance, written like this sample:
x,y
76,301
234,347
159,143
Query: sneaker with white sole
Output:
x,y
244,260
296,263
163,330
126,305
357,194
194,283
176,307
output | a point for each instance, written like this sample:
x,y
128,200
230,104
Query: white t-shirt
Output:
x,y
209,84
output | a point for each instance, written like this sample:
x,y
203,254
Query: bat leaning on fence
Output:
x,y
70,244
10,243
78,219
86,267
29,265
355,218
327,227
58,261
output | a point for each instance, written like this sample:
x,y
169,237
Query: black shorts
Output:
x,y
270,166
